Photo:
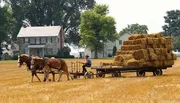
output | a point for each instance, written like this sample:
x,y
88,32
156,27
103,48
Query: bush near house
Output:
x,y
59,56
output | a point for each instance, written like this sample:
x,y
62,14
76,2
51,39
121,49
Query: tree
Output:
x,y
172,20
97,28
51,12
6,26
114,51
135,29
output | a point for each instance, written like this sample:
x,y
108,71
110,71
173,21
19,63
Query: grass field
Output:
x,y
16,88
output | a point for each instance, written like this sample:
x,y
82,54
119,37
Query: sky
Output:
x,y
143,12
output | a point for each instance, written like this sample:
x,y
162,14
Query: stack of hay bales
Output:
x,y
153,50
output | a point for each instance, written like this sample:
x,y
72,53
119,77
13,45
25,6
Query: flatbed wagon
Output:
x,y
117,70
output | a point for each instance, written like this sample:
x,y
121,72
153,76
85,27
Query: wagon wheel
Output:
x,y
100,74
89,75
116,74
140,73
157,72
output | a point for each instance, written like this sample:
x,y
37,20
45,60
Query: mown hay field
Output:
x,y
16,88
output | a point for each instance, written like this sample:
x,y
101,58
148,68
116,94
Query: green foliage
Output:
x,y
96,28
6,56
64,52
176,43
172,20
15,57
114,51
6,25
51,12
135,29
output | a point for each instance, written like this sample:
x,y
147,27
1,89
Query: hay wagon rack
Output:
x,y
117,70
76,71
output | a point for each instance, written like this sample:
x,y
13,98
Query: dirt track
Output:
x,y
15,87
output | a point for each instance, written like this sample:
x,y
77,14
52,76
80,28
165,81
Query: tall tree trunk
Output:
x,y
96,54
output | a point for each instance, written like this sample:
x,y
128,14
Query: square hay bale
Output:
x,y
133,62
169,56
131,42
141,41
155,41
153,57
161,63
164,51
168,63
141,54
162,40
118,52
162,46
155,46
150,50
144,35
169,46
116,58
156,63
174,57
105,64
157,35
127,56
168,40
125,42
134,36
161,57
149,40
157,51
117,63
149,46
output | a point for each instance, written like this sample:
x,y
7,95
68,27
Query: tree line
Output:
x,y
84,22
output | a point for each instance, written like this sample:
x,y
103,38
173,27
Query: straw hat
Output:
x,y
86,55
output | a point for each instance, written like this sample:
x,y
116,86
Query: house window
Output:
x,y
49,40
43,40
120,42
32,40
37,41
26,40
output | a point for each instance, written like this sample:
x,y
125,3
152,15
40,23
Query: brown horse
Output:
x,y
24,58
47,63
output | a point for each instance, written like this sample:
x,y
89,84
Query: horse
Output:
x,y
48,63
24,58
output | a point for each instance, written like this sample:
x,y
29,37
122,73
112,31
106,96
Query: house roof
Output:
x,y
39,31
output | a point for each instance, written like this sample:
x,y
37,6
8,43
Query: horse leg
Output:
x,y
53,74
60,74
32,73
46,75
37,77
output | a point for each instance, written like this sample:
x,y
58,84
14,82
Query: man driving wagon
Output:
x,y
86,64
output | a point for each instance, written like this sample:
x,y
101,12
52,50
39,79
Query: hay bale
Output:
x,y
133,62
149,46
149,40
168,63
118,52
168,40
169,56
150,50
174,57
127,56
141,41
117,63
155,41
157,51
105,64
162,40
141,54
153,56
161,57
134,36
169,46
164,51
125,42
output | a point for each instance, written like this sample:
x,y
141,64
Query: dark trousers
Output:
x,y
84,67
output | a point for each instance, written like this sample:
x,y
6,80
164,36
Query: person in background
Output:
x,y
86,64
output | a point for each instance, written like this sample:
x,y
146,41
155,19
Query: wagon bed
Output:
x,y
117,70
